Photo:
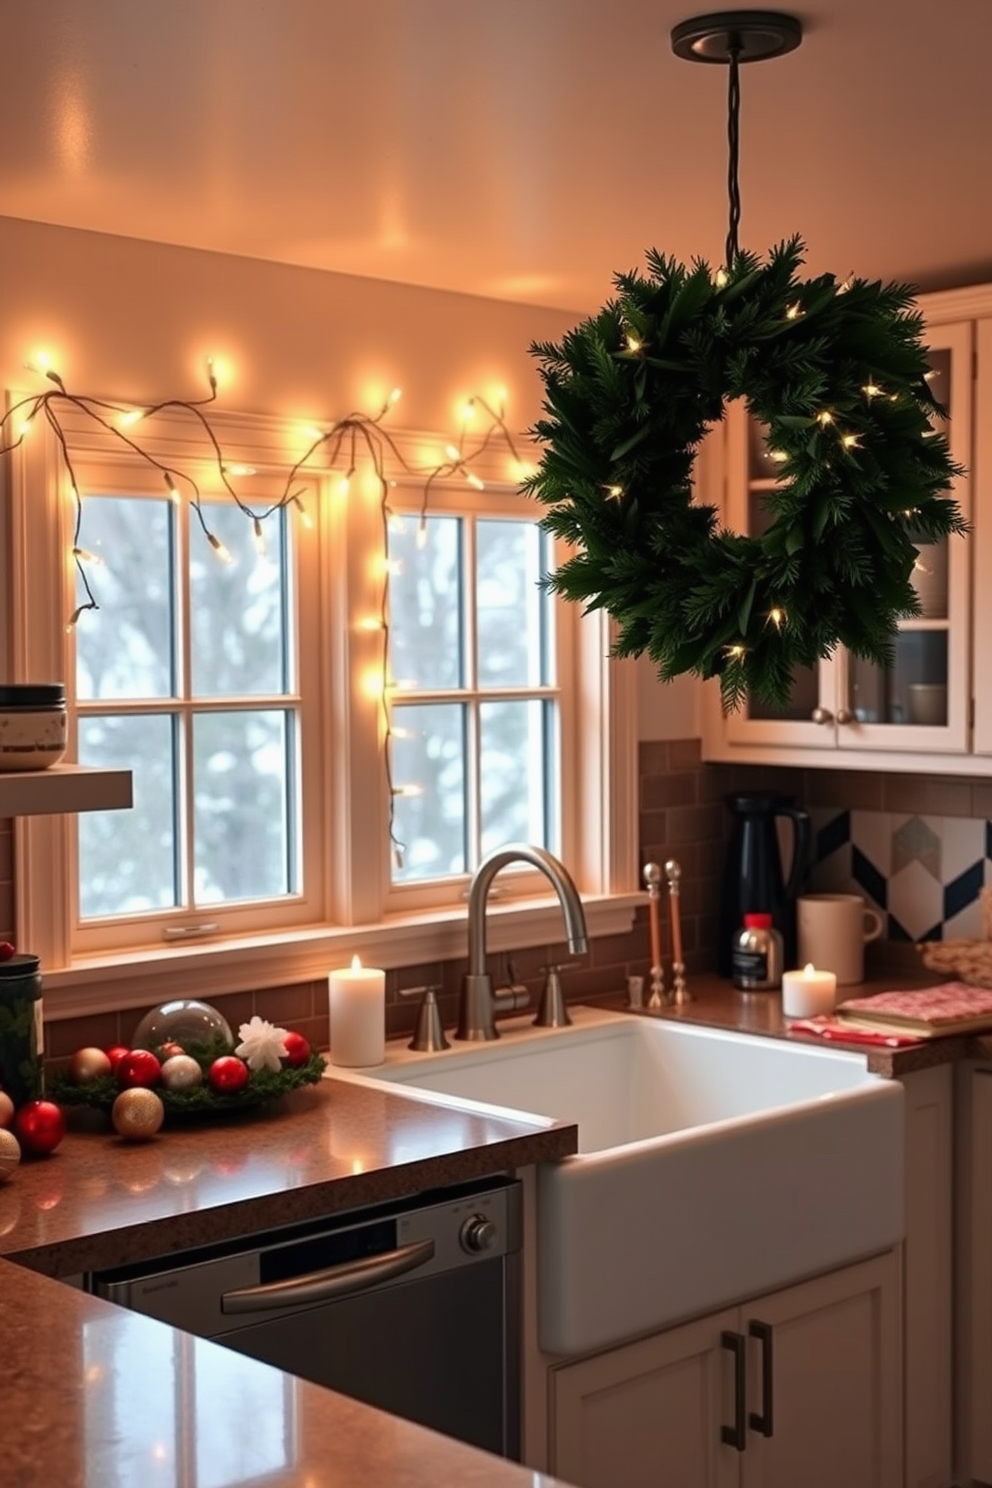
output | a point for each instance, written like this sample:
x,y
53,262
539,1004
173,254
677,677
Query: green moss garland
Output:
x,y
263,1086
838,374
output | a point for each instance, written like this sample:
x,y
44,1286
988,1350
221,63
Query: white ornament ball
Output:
x,y
10,1154
181,1072
137,1114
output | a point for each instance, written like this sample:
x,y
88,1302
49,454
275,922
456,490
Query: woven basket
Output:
x,y
968,960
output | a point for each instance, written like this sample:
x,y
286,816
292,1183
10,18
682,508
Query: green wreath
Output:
x,y
837,373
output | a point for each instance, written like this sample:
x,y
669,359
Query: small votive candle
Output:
x,y
358,1015
808,993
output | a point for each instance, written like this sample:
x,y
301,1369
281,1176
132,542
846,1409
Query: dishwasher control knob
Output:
x,y
478,1233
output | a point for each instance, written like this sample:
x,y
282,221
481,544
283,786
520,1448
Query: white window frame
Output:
x,y
356,914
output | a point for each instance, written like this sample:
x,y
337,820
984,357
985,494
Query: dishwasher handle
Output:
x,y
335,1281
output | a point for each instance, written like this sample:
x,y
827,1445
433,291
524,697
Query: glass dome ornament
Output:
x,y
184,1021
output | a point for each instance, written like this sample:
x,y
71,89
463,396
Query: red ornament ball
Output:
x,y
6,1110
297,1049
39,1125
140,1067
228,1074
169,1049
7,951
115,1054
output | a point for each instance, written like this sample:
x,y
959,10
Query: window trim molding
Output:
x,y
602,856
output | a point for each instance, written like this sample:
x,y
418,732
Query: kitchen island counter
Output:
x,y
96,1397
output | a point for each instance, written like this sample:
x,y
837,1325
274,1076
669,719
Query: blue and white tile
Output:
x,y
916,900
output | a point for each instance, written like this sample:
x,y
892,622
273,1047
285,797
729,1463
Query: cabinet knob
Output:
x,y
822,715
844,715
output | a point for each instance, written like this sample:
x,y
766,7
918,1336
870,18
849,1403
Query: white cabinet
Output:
x,y
929,706
802,1386
973,1274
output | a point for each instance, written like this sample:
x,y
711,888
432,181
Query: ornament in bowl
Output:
x,y
182,1022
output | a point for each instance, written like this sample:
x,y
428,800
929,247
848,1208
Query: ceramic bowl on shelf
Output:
x,y
32,725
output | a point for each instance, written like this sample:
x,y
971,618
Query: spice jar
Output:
x,y
756,958
22,1038
32,725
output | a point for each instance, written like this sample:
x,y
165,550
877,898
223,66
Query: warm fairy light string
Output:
x,y
357,433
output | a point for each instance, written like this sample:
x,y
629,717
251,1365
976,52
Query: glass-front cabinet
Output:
x,y
923,701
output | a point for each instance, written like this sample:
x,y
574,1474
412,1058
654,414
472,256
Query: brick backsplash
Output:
x,y
681,815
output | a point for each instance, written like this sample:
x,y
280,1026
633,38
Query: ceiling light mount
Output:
x,y
736,35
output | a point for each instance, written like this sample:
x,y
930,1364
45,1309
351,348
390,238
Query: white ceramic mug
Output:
x,y
832,930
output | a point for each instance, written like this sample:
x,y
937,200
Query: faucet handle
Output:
x,y
429,1036
552,1012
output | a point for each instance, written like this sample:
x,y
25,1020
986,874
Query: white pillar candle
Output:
x,y
808,993
358,1015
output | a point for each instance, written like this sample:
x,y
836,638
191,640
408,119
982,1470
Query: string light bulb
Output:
x,y
83,555
259,538
305,516
222,552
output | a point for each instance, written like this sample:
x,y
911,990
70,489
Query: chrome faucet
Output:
x,y
479,1003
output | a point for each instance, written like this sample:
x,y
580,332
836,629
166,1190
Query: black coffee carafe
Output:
x,y
753,880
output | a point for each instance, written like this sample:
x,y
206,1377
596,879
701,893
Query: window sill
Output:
x,y
146,978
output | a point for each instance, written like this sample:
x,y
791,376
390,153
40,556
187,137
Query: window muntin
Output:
x,y
474,708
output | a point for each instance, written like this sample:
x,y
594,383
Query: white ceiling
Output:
x,y
521,149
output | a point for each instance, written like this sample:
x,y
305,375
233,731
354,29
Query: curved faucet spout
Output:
x,y
479,1004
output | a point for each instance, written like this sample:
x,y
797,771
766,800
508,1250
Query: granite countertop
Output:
x,y
94,1395
99,1201
717,1003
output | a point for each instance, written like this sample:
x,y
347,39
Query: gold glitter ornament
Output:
x,y
10,1154
137,1114
87,1065
181,1072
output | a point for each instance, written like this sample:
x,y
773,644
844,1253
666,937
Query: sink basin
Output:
x,y
713,1166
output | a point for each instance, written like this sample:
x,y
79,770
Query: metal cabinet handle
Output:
x,y
736,1436
822,715
844,715
763,1422
334,1281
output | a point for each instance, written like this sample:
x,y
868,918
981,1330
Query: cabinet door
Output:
x,y
649,1414
922,701
832,1382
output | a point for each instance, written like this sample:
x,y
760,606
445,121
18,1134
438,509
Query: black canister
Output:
x,y
22,1044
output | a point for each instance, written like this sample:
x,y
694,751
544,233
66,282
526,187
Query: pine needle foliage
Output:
x,y
838,375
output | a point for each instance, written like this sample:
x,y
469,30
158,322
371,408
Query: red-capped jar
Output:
x,y
756,958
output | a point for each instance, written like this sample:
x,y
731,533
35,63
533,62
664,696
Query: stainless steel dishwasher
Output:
x,y
413,1307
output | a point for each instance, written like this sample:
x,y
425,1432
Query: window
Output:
x,y
281,734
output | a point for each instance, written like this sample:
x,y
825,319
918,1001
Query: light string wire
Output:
x,y
355,430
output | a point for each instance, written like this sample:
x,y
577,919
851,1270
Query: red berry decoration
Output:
x,y
140,1067
297,1049
115,1054
228,1074
7,951
39,1126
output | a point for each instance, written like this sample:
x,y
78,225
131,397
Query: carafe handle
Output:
x,y
801,847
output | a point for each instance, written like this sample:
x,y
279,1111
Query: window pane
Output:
x,y
125,649
238,621
242,821
428,759
128,859
514,774
425,600
512,608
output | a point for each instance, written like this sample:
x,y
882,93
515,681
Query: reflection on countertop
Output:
x,y
97,1397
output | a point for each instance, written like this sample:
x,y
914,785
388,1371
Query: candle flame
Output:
x,y
356,963
808,969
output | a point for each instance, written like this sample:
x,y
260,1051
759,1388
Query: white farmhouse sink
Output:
x,y
712,1166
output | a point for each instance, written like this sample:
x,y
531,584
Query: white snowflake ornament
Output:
x,y
262,1045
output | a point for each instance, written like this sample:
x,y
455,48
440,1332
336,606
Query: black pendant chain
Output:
x,y
733,147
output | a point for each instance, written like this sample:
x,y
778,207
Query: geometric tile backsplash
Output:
x,y
923,873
